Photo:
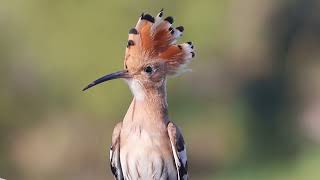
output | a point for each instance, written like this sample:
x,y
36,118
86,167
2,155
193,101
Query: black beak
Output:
x,y
115,75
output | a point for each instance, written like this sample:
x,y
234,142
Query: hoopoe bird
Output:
x,y
147,144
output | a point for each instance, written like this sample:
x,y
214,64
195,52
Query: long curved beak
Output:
x,y
115,75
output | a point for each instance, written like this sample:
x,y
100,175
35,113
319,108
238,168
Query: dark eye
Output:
x,y
148,69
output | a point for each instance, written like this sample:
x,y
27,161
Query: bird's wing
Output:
x,y
179,151
115,153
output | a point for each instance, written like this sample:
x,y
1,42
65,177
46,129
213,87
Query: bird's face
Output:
x,y
147,76
151,74
141,79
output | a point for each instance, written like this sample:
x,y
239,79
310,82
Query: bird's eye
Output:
x,y
148,69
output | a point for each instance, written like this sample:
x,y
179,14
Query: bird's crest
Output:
x,y
153,39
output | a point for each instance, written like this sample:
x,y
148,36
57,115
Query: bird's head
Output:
x,y
152,54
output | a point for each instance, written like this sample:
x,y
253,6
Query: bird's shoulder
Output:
x,y
115,153
179,150
116,133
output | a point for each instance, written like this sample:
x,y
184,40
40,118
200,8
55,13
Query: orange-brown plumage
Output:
x,y
172,53
155,42
147,43
162,39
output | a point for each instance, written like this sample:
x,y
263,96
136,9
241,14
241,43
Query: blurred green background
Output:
x,y
249,110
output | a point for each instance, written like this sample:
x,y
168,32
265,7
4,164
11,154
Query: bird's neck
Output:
x,y
149,105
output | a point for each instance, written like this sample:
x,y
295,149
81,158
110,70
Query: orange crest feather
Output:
x,y
154,39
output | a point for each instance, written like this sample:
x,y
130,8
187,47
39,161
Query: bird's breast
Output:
x,y
146,155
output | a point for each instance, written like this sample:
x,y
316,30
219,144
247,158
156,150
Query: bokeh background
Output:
x,y
249,110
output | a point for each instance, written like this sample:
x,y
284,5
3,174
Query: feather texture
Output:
x,y
179,151
155,40
115,164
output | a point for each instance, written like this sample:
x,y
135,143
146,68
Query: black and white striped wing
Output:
x,y
179,151
115,153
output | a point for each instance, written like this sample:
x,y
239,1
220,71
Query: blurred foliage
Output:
x,y
249,109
